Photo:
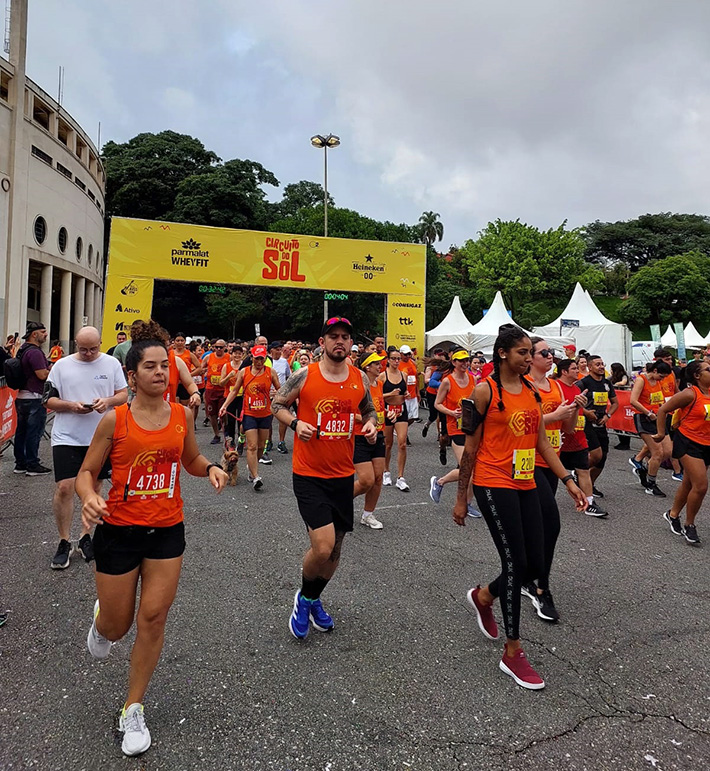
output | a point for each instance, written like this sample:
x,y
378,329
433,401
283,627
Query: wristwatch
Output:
x,y
211,465
566,479
293,424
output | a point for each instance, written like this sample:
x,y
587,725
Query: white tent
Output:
x,y
693,338
486,330
455,328
595,333
669,339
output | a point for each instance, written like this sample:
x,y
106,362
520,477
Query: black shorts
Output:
x,y
325,501
67,460
118,549
644,425
458,439
403,417
182,392
576,459
249,423
684,446
365,452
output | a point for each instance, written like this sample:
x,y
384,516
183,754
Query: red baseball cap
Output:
x,y
258,350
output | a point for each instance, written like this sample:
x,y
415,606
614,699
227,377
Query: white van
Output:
x,y
642,353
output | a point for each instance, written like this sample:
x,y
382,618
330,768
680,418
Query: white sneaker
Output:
x,y
370,521
136,736
257,483
401,484
386,479
99,647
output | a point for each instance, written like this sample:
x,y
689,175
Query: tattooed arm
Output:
x,y
368,412
285,397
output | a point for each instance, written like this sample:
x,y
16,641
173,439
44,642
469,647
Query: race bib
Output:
x,y
396,409
707,412
523,464
554,437
581,422
257,403
380,420
335,425
411,380
197,380
657,397
214,379
151,482
601,398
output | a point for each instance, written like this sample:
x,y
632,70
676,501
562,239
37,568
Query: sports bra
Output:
x,y
388,386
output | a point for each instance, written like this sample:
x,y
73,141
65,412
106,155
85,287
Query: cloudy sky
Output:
x,y
542,110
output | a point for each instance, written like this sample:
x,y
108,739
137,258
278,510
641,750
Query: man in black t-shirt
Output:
x,y
601,405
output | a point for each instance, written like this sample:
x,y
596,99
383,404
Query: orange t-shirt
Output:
x,y
214,371
378,400
668,385
695,419
452,401
551,400
257,393
331,407
409,370
652,396
145,476
55,353
506,454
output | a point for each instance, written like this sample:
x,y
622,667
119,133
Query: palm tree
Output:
x,y
430,228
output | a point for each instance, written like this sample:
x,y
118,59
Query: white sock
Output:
x,y
366,514
590,499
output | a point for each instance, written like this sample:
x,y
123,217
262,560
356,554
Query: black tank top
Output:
x,y
388,386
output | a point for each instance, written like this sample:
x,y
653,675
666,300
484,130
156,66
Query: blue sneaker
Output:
x,y
435,489
298,621
677,477
472,511
635,464
319,618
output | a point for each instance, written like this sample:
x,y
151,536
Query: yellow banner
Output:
x,y
405,322
167,250
126,300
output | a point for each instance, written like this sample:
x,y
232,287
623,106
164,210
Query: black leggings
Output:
x,y
232,422
546,483
515,522
433,412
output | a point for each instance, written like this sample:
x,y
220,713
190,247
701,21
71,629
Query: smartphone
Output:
x,y
88,406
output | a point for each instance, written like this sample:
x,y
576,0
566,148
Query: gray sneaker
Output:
x,y
99,647
60,561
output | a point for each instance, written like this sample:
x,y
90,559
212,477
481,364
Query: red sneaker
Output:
x,y
518,667
484,613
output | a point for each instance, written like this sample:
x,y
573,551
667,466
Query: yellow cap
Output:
x,y
373,357
460,355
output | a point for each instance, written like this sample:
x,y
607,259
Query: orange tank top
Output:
x,y
56,353
652,396
668,385
378,400
551,400
506,454
257,389
695,419
452,401
409,371
186,356
230,384
170,394
145,475
331,408
214,371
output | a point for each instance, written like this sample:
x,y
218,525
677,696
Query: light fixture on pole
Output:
x,y
325,142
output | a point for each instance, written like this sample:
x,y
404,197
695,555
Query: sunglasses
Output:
x,y
546,353
219,347
337,320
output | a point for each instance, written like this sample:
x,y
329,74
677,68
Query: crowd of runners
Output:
x,y
517,422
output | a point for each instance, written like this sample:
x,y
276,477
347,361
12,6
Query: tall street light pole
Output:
x,y
325,142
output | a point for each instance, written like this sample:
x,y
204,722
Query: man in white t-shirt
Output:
x,y
282,368
79,389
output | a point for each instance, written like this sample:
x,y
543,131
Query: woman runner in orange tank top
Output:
x,y
691,446
194,368
505,431
139,527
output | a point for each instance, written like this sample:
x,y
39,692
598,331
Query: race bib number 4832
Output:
x,y
335,425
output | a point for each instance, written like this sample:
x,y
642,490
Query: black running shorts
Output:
x,y
576,459
324,502
684,446
67,460
644,425
118,549
365,452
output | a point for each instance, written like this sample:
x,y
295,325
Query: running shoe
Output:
x,y
37,470
442,455
473,512
319,618
518,667
674,522
409,444
642,474
257,483
369,520
677,477
654,489
597,493
265,459
691,535
545,607
596,511
635,464
216,440
435,489
136,736
3,618
206,422
19,470
267,446
86,548
425,430
401,484
240,446
282,448
484,614
298,621
386,479
99,647
529,591
61,558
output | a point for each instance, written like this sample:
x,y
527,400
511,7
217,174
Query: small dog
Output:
x,y
230,459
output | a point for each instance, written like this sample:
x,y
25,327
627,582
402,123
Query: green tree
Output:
x,y
430,228
343,223
143,174
527,265
301,195
673,289
648,237
232,311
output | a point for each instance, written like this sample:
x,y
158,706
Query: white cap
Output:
x,y
405,349
355,349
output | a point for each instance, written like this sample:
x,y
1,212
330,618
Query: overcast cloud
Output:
x,y
543,110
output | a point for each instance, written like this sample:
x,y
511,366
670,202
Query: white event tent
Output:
x,y
668,339
595,333
455,328
693,338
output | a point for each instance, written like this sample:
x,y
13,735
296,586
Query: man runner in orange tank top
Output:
x,y
330,393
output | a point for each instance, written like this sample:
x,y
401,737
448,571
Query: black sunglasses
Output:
x,y
546,353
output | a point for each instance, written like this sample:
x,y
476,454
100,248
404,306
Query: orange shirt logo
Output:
x,y
524,422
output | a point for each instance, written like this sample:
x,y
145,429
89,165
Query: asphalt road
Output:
x,y
406,680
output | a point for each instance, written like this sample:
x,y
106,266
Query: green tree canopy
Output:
x,y
430,228
301,195
648,237
343,223
676,288
143,174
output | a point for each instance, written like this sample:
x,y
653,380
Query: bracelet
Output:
x,y
209,466
566,479
294,424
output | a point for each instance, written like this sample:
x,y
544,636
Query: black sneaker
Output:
x,y
596,511
597,493
642,474
265,459
674,522
86,548
654,489
546,607
409,444
61,558
37,470
691,535
425,430
19,470
529,591
442,455
282,448
206,422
